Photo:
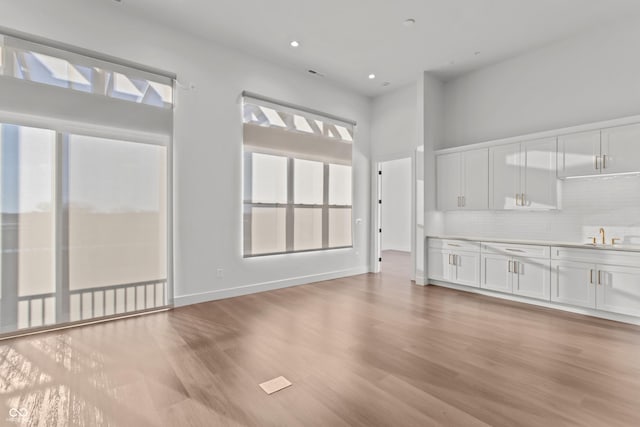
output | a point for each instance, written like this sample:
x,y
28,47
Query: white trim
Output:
x,y
544,134
183,300
547,304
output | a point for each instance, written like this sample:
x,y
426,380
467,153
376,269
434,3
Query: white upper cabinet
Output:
x,y
620,150
579,154
463,180
523,175
449,176
539,182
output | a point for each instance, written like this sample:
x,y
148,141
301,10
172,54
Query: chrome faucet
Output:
x,y
604,240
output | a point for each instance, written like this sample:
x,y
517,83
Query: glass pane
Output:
x,y
339,228
268,230
307,229
117,214
28,237
308,182
339,185
269,179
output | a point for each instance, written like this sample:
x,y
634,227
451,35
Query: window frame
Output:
x,y
290,207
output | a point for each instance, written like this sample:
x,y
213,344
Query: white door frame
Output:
x,y
376,210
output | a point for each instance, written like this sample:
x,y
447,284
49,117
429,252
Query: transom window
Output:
x,y
297,180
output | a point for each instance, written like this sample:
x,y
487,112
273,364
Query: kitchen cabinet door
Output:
x,y
532,278
448,181
618,290
504,176
467,269
621,149
475,179
573,283
539,180
439,266
579,154
495,273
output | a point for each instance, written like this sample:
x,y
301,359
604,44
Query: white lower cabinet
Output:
x,y
608,287
454,266
527,277
532,278
573,283
496,273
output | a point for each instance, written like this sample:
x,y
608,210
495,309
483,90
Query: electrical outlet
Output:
x,y
220,272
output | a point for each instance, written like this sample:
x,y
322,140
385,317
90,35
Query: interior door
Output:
x,y
539,178
496,274
504,176
573,283
532,278
621,149
579,154
467,269
618,290
475,179
448,181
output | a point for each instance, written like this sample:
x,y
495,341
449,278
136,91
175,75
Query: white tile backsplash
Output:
x,y
586,205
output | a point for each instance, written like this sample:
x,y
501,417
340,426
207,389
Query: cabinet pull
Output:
x,y
599,277
459,203
604,161
450,263
455,262
596,162
514,250
510,269
517,199
516,268
591,276
523,200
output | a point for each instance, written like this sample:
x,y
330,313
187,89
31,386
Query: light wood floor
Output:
x,y
362,351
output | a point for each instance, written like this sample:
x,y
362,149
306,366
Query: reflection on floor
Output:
x,y
361,351
397,263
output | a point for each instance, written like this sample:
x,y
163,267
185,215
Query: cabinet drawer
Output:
x,y
454,245
529,251
631,259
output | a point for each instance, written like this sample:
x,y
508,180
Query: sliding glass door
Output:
x,y
84,227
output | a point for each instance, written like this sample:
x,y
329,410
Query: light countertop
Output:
x,y
617,247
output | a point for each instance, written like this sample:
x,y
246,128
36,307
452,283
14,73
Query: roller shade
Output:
x,y
276,129
53,84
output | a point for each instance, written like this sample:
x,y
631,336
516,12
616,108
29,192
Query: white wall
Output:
x,y
208,142
396,205
394,124
587,78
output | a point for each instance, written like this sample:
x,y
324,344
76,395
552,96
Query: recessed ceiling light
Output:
x,y
372,76
409,22
385,84
294,43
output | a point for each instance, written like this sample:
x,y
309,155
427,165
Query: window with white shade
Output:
x,y
84,186
297,180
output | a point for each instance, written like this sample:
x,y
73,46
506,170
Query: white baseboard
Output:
x,y
237,291
547,304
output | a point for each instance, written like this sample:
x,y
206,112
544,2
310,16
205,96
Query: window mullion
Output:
x,y
247,209
325,206
290,208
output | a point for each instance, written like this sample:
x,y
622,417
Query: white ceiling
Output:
x,y
348,39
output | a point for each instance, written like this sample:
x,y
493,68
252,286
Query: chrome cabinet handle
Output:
x,y
591,276
517,199
449,259
516,268
596,162
514,250
599,277
604,161
464,201
523,200
509,268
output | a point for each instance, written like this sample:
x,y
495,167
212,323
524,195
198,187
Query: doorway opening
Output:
x,y
395,220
